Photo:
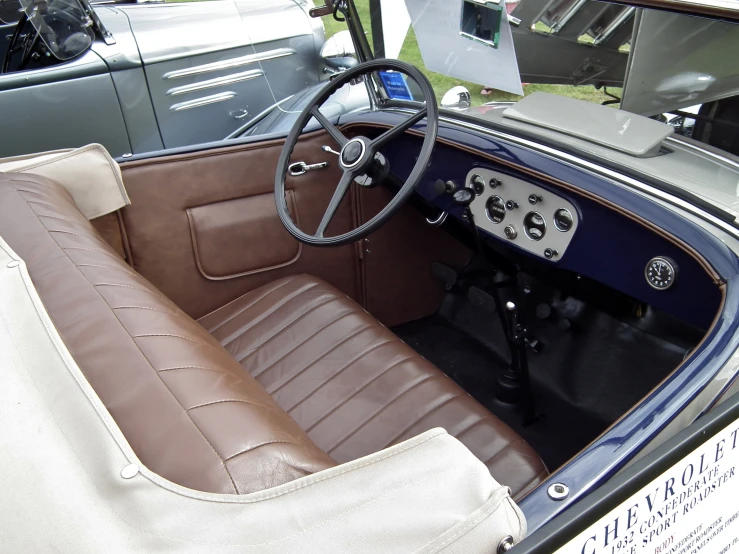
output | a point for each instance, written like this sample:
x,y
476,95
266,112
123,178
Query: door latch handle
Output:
x,y
301,168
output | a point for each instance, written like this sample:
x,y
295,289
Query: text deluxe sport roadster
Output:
x,y
398,329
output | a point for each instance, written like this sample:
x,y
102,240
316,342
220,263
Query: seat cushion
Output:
x,y
352,385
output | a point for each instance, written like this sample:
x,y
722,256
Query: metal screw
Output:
x,y
510,306
558,491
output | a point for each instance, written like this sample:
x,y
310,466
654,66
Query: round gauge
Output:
x,y
477,183
495,209
563,220
660,273
534,226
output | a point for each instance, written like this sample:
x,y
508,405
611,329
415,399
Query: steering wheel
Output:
x,y
29,40
358,156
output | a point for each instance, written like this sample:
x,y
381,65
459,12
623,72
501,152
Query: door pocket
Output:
x,y
241,237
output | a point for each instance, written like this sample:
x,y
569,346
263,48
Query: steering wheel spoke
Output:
x,y
398,130
330,127
339,193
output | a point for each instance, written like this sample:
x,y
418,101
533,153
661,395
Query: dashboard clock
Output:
x,y
661,273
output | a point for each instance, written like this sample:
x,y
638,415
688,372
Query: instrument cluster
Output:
x,y
521,213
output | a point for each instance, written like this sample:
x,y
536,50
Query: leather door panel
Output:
x,y
162,190
397,261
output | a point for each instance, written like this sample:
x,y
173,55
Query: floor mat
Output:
x,y
583,379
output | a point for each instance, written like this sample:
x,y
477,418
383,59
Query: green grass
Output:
x,y
442,83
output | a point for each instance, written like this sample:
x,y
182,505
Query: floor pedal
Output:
x,y
445,274
481,299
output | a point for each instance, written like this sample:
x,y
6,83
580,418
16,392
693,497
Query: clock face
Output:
x,y
661,273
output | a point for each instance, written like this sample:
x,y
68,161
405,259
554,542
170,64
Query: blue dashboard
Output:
x,y
616,232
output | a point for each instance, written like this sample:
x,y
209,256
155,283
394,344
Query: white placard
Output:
x,y
436,24
395,24
691,508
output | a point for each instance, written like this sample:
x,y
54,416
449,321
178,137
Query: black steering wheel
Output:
x,y
360,155
27,40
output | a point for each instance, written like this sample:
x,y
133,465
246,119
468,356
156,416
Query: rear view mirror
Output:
x,y
481,20
339,53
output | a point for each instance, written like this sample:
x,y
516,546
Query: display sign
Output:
x,y
396,85
444,50
691,508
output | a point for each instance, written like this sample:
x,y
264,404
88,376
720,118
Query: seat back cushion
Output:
x,y
189,410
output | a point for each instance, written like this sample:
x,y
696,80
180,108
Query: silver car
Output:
x,y
143,77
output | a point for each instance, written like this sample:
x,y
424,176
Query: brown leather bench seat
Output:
x,y
288,380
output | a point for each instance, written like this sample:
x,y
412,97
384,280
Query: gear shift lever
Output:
x,y
514,384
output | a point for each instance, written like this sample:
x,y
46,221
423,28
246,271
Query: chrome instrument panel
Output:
x,y
526,215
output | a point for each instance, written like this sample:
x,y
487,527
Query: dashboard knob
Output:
x,y
550,253
511,205
510,232
534,199
464,197
495,183
477,183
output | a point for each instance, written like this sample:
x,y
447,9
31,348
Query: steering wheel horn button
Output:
x,y
353,153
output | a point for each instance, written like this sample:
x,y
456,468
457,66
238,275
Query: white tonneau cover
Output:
x,y
70,482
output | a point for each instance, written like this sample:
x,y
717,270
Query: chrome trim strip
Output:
x,y
218,82
714,155
615,24
204,101
231,63
618,178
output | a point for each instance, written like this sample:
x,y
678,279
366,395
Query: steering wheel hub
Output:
x,y
353,153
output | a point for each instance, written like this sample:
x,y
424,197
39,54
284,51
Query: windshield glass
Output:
x,y
62,24
580,70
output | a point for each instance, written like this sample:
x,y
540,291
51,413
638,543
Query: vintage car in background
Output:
x,y
138,78
395,328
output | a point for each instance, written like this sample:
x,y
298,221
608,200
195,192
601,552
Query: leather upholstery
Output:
x,y
191,412
187,408
352,384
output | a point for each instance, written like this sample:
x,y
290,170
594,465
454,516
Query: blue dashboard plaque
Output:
x,y
395,85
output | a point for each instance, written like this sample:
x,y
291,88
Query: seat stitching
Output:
x,y
82,248
378,412
463,431
503,448
192,367
355,393
252,323
238,313
146,308
252,448
229,400
418,420
145,335
54,216
230,477
127,271
321,356
276,284
346,365
282,330
150,291
298,345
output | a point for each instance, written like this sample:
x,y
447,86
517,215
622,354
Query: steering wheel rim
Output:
x,y
350,167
